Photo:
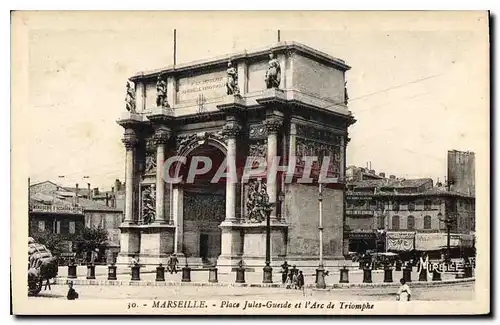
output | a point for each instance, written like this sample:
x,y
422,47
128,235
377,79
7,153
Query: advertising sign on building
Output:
x,y
400,241
430,241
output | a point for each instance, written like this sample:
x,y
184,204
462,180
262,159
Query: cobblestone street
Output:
x,y
444,293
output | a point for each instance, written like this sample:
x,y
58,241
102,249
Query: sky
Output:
x,y
418,84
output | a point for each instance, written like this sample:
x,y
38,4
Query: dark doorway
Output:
x,y
204,247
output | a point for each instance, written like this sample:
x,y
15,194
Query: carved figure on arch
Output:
x,y
130,98
148,204
273,73
257,201
161,93
232,80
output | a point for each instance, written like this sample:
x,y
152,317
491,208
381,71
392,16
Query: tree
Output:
x,y
91,239
55,243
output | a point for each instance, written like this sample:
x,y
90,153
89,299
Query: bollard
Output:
x,y
136,272
436,275
186,274
212,275
240,273
388,274
112,272
344,275
367,275
72,271
422,275
91,271
407,274
160,273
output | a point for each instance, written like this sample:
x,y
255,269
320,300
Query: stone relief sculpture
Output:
x,y
257,149
232,80
273,73
130,98
257,201
188,141
161,93
150,162
148,204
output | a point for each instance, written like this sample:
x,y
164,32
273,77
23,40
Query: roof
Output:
x,y
66,198
435,191
89,205
391,183
281,46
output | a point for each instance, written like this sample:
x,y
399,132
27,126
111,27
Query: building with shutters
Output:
x,y
410,213
65,211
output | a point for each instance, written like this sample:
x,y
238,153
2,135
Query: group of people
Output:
x,y
292,278
172,263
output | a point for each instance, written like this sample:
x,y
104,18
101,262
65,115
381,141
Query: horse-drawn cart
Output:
x,y
42,266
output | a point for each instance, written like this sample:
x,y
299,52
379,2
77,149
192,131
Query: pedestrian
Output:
x,y
47,284
295,280
289,280
172,263
300,280
72,294
404,292
284,272
134,261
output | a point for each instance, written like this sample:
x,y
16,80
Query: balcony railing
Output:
x,y
55,209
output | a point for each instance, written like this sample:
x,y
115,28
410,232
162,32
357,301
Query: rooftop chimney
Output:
x,y
118,185
89,191
381,175
113,197
96,191
392,177
107,199
76,194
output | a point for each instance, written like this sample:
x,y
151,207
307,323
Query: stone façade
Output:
x,y
306,115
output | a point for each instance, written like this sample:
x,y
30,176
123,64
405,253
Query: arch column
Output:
x,y
130,141
231,238
161,136
273,125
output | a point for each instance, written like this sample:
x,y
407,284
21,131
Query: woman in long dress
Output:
x,y
404,292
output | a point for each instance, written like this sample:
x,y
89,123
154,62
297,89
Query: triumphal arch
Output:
x,y
282,104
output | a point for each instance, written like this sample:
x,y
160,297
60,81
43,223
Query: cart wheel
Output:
x,y
34,288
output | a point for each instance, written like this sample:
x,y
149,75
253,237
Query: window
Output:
x,y
381,222
41,225
427,222
411,206
411,223
72,227
427,205
58,227
395,206
395,223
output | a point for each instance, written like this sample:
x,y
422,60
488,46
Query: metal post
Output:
x,y
448,226
268,270
320,272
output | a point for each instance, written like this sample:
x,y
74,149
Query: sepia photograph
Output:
x,y
250,163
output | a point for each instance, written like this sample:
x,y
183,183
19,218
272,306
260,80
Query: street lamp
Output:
x,y
448,221
266,207
320,272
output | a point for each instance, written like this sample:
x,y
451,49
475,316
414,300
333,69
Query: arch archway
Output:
x,y
203,203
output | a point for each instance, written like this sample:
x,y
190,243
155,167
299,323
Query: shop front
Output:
x,y
361,241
